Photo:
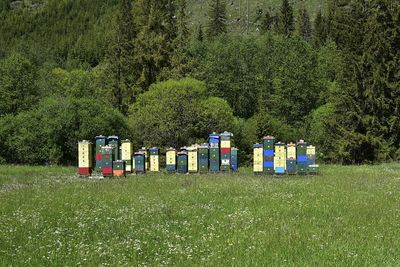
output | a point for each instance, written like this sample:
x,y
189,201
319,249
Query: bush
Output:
x,y
177,113
49,133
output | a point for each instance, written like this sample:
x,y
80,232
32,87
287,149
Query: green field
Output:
x,y
346,216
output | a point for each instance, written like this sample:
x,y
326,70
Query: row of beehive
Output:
x,y
279,158
111,158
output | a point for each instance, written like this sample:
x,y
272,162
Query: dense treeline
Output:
x,y
70,70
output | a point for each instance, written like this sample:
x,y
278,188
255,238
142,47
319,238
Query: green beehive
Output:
x,y
203,158
114,142
214,159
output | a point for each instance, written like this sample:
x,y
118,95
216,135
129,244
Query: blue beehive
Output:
x,y
268,154
302,163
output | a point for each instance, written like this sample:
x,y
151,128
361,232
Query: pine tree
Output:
x,y
319,29
267,22
217,24
153,44
304,24
286,19
200,34
179,57
122,70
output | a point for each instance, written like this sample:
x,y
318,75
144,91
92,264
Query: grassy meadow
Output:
x,y
346,216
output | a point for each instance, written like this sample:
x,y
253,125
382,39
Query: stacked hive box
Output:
x,y
192,159
302,157
268,143
147,159
154,159
280,158
312,168
108,157
114,142
171,160
225,154
182,162
126,155
100,142
291,159
203,158
140,162
214,152
85,158
234,159
258,159
119,168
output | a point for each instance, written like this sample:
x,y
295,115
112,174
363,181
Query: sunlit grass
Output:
x,y
346,216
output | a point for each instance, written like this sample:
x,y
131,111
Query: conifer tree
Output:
x,y
217,19
319,29
153,44
200,34
122,70
304,24
267,22
179,61
286,19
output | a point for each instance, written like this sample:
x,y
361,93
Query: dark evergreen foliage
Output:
x,y
217,24
286,19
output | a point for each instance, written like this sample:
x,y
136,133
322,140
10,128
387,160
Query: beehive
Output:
x,y
146,157
119,168
234,159
214,140
193,159
291,159
203,158
268,154
258,162
171,160
280,158
154,159
225,151
302,157
100,142
140,162
85,158
182,162
214,159
108,158
312,167
114,142
126,155
310,152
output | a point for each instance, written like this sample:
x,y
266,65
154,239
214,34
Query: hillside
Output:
x,y
78,30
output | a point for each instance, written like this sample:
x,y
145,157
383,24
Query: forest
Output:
x,y
169,72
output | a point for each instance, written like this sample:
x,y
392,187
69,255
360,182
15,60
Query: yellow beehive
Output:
x,y
280,156
192,159
291,151
310,150
258,159
171,157
225,144
279,163
154,163
126,154
85,154
127,150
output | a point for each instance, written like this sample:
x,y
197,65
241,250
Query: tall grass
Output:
x,y
346,216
